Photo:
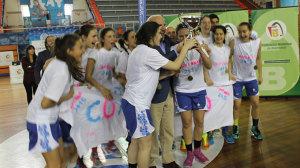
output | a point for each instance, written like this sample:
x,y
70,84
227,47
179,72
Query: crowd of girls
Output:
x,y
83,58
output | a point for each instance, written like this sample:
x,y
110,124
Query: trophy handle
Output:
x,y
182,21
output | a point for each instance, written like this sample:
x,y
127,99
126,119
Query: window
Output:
x,y
25,11
68,9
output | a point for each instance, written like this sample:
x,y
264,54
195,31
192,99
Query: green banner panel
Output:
x,y
278,31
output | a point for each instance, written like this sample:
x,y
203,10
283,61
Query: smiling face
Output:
x,y
244,33
155,41
214,22
91,39
76,51
109,40
205,25
219,36
160,20
171,33
182,34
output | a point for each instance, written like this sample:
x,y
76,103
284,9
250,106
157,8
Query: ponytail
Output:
x,y
123,45
123,39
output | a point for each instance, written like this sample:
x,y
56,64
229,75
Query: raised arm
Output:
x,y
176,64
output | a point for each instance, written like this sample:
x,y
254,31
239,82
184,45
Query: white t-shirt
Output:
x,y
123,60
192,66
207,40
105,62
85,55
219,58
142,75
55,83
244,59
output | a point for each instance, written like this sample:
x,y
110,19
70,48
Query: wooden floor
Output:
x,y
279,124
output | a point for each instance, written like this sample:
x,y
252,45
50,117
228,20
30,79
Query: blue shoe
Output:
x,y
235,132
256,133
227,136
210,138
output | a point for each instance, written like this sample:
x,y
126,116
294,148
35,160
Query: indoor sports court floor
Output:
x,y
279,124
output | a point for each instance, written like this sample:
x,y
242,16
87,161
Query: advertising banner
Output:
x,y
6,58
142,12
230,19
37,36
278,31
45,9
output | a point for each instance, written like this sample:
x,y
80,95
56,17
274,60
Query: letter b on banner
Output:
x,y
273,78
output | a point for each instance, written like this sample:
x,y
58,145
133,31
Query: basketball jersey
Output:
x,y
207,40
192,66
105,62
244,59
219,58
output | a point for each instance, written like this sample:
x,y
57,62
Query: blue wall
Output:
x,y
21,39
285,3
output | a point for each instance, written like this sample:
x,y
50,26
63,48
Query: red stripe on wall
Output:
x,y
98,18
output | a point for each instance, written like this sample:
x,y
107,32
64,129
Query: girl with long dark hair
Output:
x,y
127,43
54,88
28,62
142,79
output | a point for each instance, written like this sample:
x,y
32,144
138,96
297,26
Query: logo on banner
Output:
x,y
230,29
276,30
19,71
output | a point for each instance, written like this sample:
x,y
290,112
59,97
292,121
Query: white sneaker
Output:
x,y
101,154
87,159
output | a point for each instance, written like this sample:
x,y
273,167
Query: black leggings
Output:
x,y
30,88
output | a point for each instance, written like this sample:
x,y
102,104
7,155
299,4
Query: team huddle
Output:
x,y
159,79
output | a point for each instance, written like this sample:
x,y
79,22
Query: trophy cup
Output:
x,y
191,22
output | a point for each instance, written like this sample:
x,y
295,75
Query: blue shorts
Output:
x,y
191,101
65,129
138,120
43,137
250,86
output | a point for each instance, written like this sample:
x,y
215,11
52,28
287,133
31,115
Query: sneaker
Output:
x,y
189,159
101,155
227,136
256,133
96,160
205,143
210,135
200,156
87,159
111,145
235,132
182,146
